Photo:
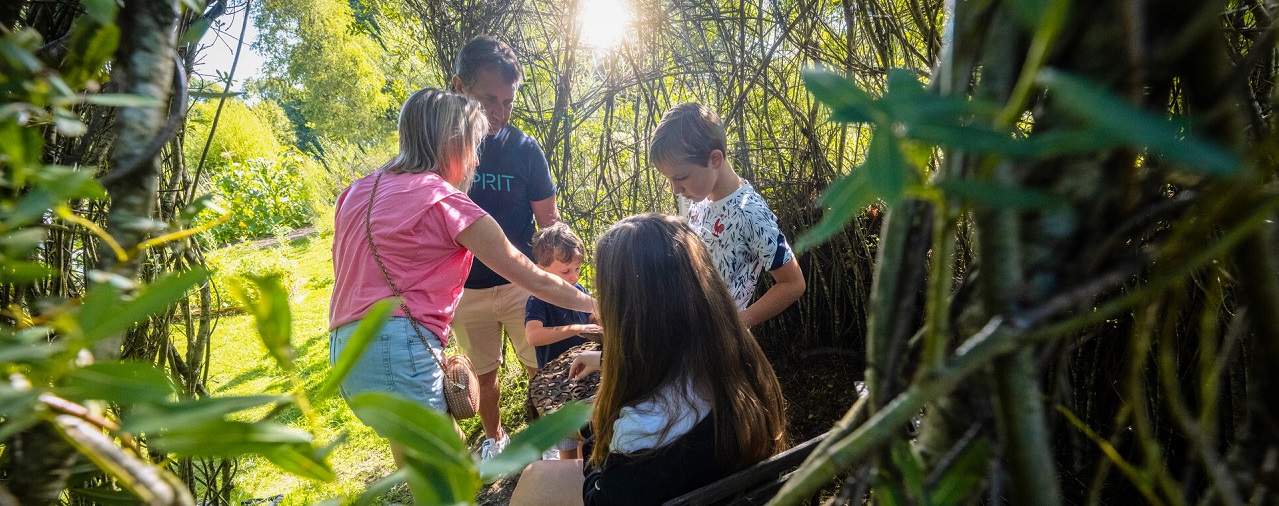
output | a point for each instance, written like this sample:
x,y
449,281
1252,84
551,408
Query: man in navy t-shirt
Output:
x,y
513,184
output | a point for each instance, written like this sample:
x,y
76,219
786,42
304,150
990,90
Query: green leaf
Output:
x,y
122,100
1030,12
30,207
541,435
847,102
120,382
886,168
195,32
14,401
92,44
28,345
18,422
1111,116
20,242
162,416
884,175
103,314
19,57
68,183
912,476
102,11
435,482
1066,142
963,478
19,272
301,460
426,431
104,495
1001,196
270,310
222,438
971,138
381,487
845,199
364,334
68,125
908,103
204,202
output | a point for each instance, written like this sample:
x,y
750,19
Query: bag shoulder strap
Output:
x,y
368,233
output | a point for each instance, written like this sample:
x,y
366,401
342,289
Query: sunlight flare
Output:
x,y
604,23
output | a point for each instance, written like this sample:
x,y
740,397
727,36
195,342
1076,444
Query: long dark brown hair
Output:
x,y
669,320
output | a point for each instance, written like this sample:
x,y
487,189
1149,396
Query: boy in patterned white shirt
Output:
x,y
740,231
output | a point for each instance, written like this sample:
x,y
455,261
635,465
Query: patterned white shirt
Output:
x,y
742,236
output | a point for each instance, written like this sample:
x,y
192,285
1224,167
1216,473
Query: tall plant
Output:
x,y
1121,235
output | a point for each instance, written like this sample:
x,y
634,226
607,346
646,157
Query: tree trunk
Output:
x,y
147,60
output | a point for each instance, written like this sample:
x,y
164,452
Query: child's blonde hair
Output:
x,y
687,133
435,126
557,242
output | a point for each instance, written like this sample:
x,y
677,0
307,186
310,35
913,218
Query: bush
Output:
x,y
264,196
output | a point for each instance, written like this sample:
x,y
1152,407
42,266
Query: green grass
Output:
x,y
240,366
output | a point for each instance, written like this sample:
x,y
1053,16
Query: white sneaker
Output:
x,y
551,454
491,447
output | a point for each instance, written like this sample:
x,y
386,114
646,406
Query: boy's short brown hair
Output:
x,y
687,133
557,242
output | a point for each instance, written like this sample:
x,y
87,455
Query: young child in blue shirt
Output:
x,y
551,329
740,231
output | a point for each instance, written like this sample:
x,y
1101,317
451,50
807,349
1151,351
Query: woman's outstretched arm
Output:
x,y
487,242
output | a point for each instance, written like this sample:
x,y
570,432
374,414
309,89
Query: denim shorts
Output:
x,y
396,362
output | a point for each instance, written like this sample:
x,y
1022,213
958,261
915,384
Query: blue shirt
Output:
x,y
554,316
512,174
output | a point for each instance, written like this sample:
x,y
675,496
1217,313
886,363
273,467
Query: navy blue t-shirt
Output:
x,y
512,174
554,316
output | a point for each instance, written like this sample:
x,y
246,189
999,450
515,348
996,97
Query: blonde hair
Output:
x,y
687,133
557,242
669,320
436,128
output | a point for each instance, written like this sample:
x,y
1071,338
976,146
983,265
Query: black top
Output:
x,y
554,316
512,173
653,476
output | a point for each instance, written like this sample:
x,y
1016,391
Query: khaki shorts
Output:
x,y
478,324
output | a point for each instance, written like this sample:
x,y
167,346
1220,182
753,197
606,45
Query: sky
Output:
x,y
220,51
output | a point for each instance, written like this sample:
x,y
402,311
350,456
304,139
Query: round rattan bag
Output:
x,y
461,388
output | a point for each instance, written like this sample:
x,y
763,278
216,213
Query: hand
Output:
x,y
584,364
590,328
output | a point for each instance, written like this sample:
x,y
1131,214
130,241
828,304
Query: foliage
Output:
x,y
1029,149
1051,246
265,196
53,383
241,134
242,366
329,76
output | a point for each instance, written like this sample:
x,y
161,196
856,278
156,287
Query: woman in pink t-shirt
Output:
x,y
425,229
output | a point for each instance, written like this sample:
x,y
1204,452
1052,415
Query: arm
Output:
x,y
789,287
540,335
485,239
545,212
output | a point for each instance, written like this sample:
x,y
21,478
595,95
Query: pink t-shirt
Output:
x,y
416,219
